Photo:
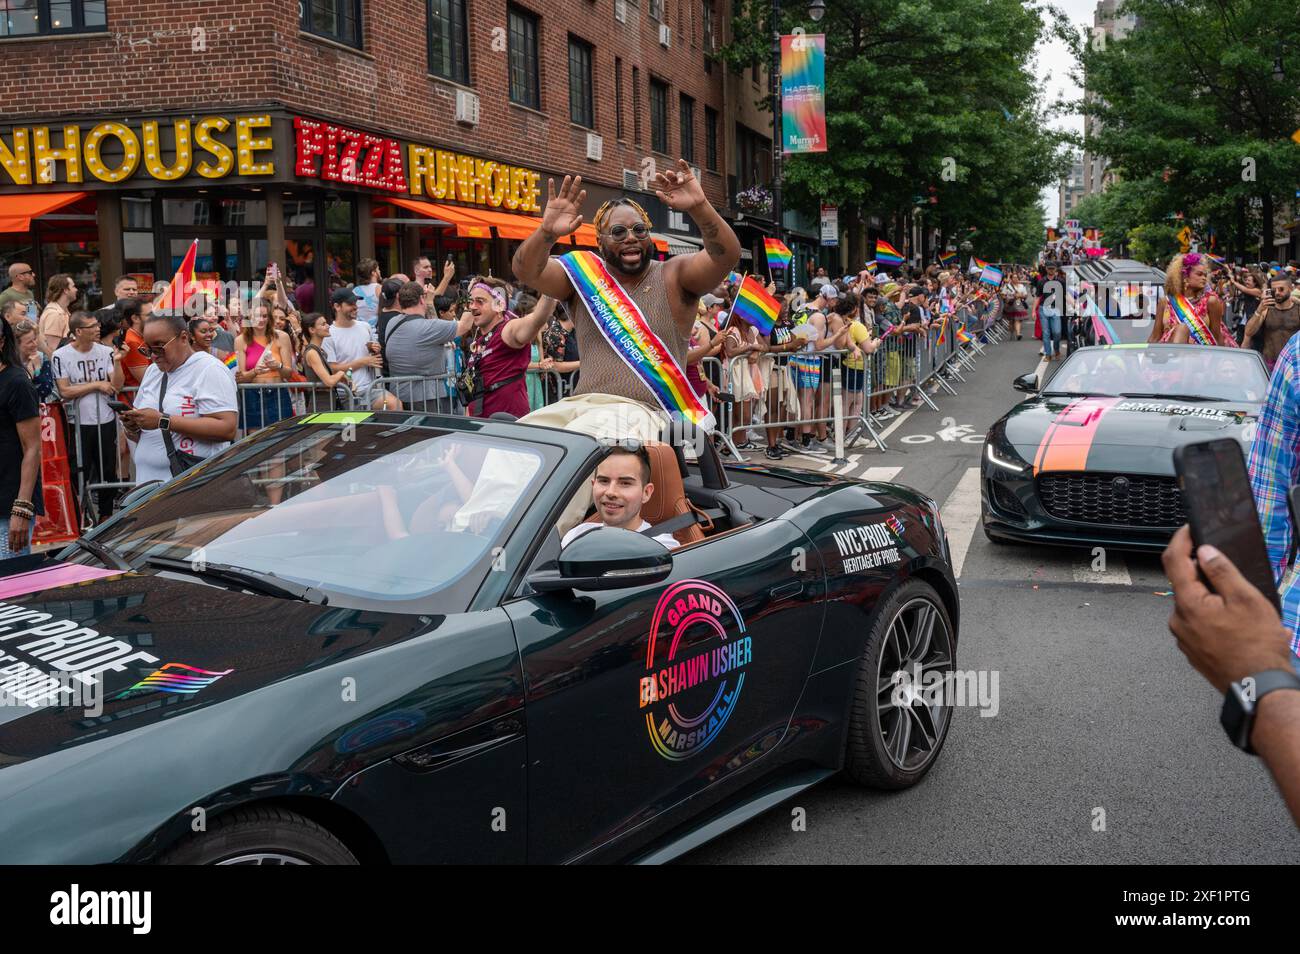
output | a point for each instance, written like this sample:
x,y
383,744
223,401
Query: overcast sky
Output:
x,y
1052,65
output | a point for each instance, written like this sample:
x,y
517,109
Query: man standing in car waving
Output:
x,y
627,388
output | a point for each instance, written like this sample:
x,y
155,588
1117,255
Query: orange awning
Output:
x,y
509,225
17,211
466,225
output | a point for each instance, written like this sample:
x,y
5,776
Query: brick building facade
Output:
x,y
297,132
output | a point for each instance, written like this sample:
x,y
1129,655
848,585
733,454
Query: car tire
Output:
x,y
874,737
261,836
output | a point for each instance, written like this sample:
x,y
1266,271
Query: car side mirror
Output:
x,y
606,559
1027,382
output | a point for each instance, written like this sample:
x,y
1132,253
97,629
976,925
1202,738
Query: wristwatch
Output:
x,y
165,423
1242,699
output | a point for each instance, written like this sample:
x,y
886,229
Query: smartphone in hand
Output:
x,y
118,407
1221,509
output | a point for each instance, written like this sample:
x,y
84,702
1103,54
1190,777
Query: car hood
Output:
x,y
148,647
1129,434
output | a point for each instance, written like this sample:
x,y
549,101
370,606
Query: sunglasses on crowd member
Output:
x,y
619,232
152,351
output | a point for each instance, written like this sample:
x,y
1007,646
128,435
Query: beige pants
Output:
x,y
605,417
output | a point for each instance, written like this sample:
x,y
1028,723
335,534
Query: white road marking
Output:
x,y
1041,370
850,466
961,515
881,473
897,422
1116,569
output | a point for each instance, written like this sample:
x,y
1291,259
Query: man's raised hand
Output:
x,y
563,212
678,188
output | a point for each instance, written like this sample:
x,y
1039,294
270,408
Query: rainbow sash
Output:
x,y
1183,310
626,330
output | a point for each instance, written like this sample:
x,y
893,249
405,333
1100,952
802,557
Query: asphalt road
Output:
x,y
1100,719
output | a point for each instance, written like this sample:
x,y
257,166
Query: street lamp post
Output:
x,y
778,137
816,10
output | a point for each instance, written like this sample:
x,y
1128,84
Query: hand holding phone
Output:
x,y
119,407
1221,509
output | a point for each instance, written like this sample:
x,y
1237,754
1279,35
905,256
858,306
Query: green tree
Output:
x,y
1192,109
921,96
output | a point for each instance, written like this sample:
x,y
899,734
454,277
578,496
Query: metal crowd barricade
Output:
x,y
261,405
432,394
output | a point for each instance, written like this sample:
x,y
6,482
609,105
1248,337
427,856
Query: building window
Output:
x,y
686,113
45,17
618,97
656,9
658,116
711,138
581,110
334,19
448,40
708,36
524,82
636,106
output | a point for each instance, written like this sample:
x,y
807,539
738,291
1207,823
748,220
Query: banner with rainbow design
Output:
x,y
803,93
626,330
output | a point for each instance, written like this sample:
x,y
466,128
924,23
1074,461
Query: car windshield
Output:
x,y
367,513
1186,372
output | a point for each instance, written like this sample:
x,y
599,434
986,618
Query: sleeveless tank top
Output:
x,y
603,371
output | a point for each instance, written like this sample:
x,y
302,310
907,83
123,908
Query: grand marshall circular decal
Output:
x,y
687,695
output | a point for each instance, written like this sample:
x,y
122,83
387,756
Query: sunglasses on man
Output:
x,y
619,232
153,351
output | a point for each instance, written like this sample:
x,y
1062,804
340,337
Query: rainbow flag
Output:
x,y
948,259
778,255
871,266
174,295
962,337
978,263
755,305
627,331
1182,309
886,254
1217,259
178,678
943,330
231,361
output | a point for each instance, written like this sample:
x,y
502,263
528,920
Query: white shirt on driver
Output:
x,y
667,539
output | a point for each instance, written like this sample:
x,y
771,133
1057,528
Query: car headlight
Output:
x,y
1003,458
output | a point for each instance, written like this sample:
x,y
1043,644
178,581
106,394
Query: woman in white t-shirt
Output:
x,y
199,409
88,375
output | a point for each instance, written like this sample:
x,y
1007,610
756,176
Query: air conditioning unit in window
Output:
x,y
631,180
620,11
595,147
665,35
466,107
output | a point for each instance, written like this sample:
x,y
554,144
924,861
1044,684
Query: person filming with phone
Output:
x,y
186,409
1275,321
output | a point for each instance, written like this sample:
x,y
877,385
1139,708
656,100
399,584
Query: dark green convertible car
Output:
x,y
354,637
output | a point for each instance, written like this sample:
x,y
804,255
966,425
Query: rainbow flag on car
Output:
x,y
887,255
755,305
778,255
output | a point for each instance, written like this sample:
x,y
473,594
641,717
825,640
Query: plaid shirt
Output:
x,y
1274,468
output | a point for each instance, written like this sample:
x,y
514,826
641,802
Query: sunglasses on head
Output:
x,y
619,232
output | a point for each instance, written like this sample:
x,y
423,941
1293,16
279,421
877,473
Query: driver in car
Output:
x,y
621,487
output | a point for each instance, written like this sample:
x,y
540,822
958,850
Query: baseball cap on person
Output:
x,y
829,291
710,300
916,290
343,296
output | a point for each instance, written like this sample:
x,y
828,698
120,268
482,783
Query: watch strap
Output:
x,y
1238,720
